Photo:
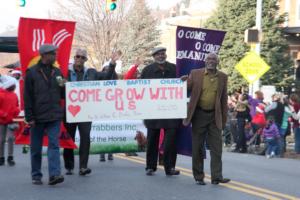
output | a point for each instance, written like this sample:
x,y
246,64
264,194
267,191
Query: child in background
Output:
x,y
9,109
271,136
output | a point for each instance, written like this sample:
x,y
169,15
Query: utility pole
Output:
x,y
256,85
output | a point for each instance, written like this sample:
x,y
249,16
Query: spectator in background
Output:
x,y
276,110
284,125
113,76
271,136
243,116
133,73
254,102
294,101
9,109
118,61
17,75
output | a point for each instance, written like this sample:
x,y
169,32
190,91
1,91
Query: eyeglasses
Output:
x,y
82,57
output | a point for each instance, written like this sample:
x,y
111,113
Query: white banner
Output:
x,y
126,99
116,136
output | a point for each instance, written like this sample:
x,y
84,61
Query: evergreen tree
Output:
x,y
139,34
235,16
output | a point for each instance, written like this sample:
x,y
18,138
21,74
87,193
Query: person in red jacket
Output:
x,y
133,72
9,109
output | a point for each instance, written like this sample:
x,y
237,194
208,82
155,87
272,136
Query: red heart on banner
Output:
x,y
74,110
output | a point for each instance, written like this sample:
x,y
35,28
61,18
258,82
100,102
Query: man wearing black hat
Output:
x,y
158,70
42,94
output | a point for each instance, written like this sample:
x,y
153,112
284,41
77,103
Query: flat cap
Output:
x,y
46,48
157,49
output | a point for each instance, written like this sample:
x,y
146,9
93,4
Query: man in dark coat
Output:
x,y
158,70
207,110
43,112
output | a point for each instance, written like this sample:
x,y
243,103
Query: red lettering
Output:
x,y
139,96
118,94
179,93
129,94
97,97
171,92
108,95
90,93
131,105
132,94
71,96
81,96
154,96
119,105
163,93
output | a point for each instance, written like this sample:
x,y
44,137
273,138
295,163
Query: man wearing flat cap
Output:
x,y
43,112
158,70
79,72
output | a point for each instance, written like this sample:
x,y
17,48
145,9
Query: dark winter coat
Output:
x,y
42,94
152,71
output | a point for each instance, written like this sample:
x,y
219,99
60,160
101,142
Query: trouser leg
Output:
x,y
3,129
36,142
170,151
10,142
85,141
152,148
68,154
215,143
53,131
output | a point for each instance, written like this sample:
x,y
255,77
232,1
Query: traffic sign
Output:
x,y
252,67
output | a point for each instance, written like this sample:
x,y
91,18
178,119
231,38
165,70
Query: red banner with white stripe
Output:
x,y
32,33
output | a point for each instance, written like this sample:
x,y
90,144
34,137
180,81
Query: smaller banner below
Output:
x,y
117,136
126,100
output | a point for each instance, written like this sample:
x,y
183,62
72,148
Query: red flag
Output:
x,y
33,33
23,137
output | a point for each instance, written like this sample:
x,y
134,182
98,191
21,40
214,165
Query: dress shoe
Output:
x,y
2,161
200,182
10,161
37,182
53,180
149,172
110,157
217,181
102,158
84,171
69,172
172,172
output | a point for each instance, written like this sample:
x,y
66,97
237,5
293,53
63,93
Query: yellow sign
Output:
x,y
252,67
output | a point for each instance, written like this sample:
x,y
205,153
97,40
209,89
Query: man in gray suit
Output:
x,y
207,112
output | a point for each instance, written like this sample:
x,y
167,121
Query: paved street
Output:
x,y
254,177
